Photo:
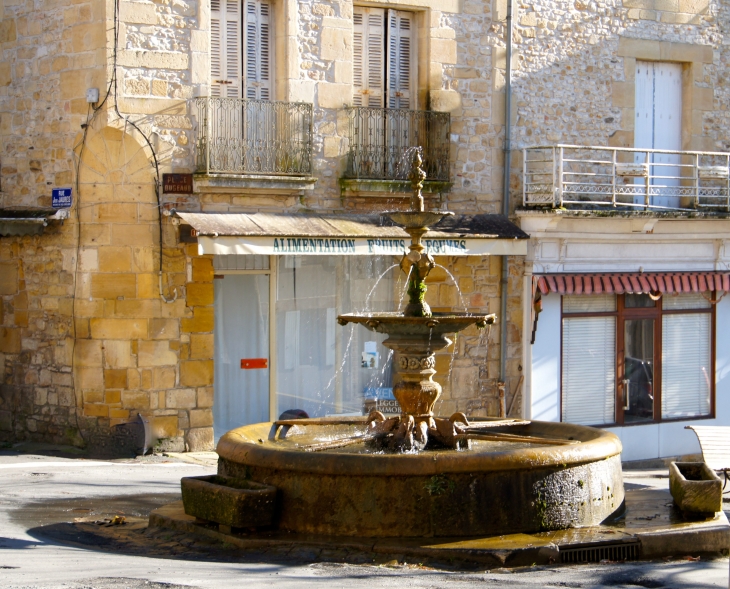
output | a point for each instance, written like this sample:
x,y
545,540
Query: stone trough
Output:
x,y
695,487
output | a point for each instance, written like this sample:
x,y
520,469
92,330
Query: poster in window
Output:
x,y
370,355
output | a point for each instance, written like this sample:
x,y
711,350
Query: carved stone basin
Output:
x,y
430,330
489,489
414,219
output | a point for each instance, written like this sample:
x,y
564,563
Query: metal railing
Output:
x,y
380,138
573,176
240,136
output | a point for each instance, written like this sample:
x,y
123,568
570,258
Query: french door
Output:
x,y
658,125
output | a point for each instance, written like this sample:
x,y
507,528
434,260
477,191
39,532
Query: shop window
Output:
x,y
384,51
241,49
630,359
324,368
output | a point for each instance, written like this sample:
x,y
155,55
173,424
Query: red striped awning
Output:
x,y
633,282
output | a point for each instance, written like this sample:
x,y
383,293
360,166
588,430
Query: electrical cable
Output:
x,y
81,144
111,91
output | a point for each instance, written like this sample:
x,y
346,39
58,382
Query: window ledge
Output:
x,y
255,183
389,188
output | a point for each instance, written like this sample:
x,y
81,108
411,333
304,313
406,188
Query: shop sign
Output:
x,y
340,246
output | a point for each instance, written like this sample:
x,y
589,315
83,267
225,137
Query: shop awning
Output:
x,y
633,282
332,234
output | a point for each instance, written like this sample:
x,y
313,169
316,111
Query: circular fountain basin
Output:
x,y
491,489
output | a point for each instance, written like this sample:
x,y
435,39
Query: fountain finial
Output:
x,y
417,176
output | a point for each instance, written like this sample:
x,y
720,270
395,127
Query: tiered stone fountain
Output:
x,y
418,474
415,335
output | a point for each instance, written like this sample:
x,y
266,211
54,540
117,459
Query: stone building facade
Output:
x,y
110,313
612,77
103,318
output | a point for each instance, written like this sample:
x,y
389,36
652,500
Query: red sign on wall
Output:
x,y
177,183
252,363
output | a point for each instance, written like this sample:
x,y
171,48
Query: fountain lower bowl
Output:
x,y
435,493
437,324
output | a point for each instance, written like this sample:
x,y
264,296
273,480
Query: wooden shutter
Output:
x,y
686,365
658,125
258,50
368,52
589,370
401,59
225,48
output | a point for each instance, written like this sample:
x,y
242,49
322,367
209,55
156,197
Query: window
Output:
x,y
384,67
241,49
630,359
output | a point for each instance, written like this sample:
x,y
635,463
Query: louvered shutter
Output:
x,y
686,365
589,370
258,50
368,51
225,48
401,55
658,125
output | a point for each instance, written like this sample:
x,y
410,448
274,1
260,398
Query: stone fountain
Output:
x,y
415,335
418,474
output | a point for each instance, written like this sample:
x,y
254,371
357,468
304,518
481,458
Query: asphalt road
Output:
x,y
41,496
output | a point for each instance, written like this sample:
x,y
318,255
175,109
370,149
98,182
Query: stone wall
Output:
x,y
86,340
468,370
576,62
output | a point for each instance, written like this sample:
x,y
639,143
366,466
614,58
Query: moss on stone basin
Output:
x,y
435,493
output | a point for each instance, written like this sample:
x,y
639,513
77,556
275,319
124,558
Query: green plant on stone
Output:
x,y
438,485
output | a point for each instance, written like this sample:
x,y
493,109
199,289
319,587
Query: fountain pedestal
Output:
x,y
415,335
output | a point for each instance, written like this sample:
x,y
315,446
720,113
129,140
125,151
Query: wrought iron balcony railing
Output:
x,y
382,138
576,177
239,136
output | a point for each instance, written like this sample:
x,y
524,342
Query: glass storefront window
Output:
x,y
322,367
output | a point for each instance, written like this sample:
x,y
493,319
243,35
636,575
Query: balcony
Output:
x,y
600,178
253,137
380,142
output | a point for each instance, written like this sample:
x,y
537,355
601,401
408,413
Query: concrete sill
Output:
x,y
389,188
253,183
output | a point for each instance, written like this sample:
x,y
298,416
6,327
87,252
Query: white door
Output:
x,y
659,126
241,353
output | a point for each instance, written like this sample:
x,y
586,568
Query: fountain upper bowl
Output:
x,y
415,219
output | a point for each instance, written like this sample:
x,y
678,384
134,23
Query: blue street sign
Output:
x,y
61,198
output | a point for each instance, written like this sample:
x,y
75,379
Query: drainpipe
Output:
x,y
505,196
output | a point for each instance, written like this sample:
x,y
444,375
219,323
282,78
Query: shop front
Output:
x,y
281,280
628,318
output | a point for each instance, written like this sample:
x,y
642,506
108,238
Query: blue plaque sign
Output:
x,y
61,198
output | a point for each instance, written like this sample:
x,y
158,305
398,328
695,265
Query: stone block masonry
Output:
x,y
86,342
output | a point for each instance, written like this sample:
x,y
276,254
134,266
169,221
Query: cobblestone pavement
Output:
x,y
49,538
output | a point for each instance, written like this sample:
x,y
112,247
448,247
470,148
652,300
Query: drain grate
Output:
x,y
596,552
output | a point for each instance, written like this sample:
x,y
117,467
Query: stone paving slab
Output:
x,y
650,519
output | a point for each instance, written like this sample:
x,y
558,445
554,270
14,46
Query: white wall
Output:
x,y
640,442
